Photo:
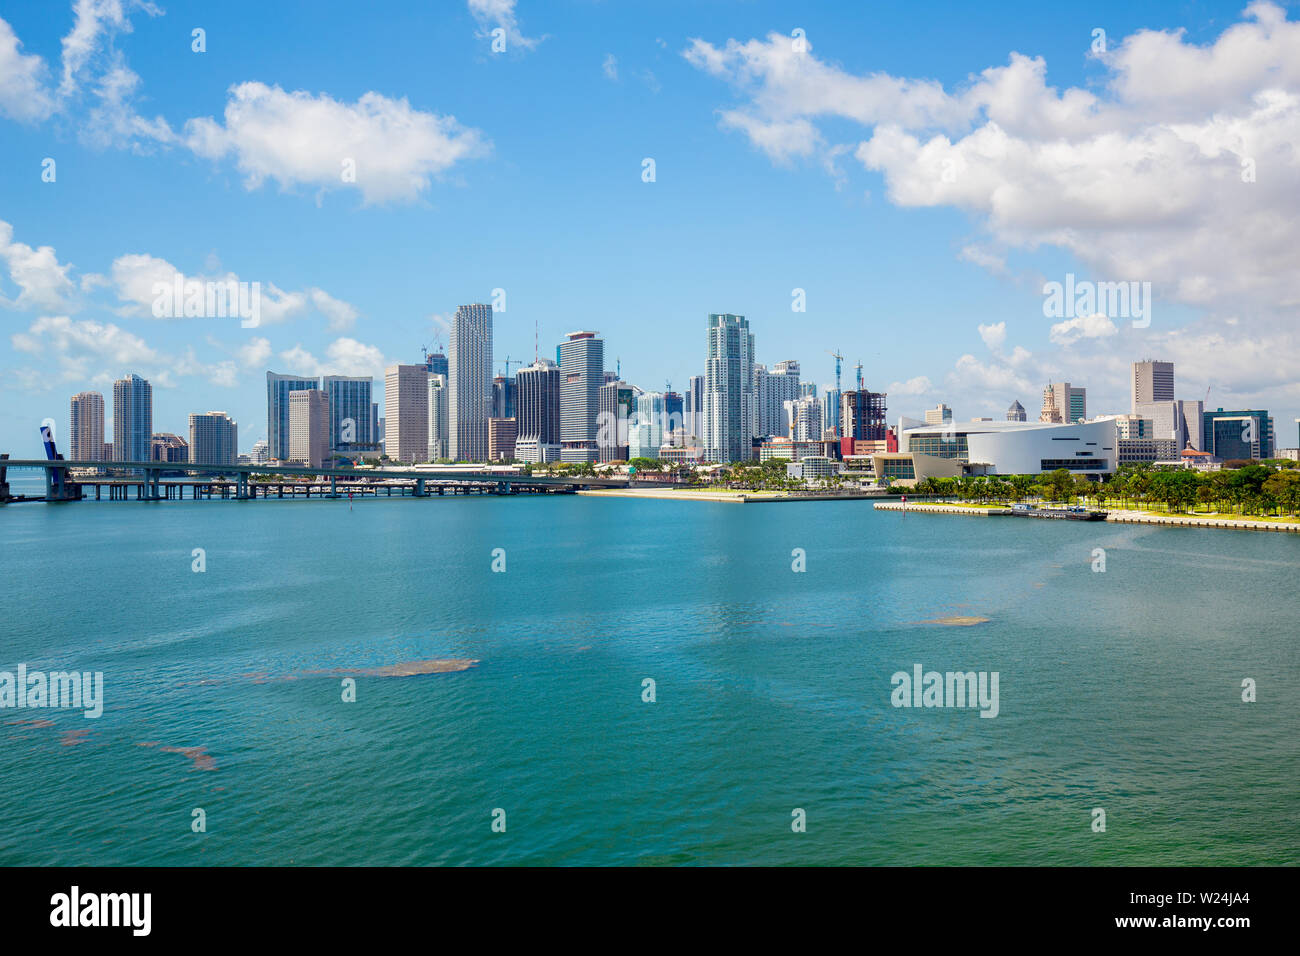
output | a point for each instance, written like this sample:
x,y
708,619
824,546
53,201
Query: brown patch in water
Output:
x,y
199,756
71,738
36,722
958,620
403,669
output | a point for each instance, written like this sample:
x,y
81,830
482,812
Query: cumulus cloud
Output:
x,y
24,95
492,14
920,385
994,334
1095,326
1181,170
42,281
381,146
80,347
343,356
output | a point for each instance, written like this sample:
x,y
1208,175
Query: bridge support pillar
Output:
x,y
419,487
334,487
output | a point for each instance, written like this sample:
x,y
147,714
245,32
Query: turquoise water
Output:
x,y
1119,690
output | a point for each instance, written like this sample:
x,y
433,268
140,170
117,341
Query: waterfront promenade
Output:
x,y
1118,517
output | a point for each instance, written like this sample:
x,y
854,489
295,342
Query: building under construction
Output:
x,y
862,415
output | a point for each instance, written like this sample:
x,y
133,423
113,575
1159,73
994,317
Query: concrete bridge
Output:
x,y
150,481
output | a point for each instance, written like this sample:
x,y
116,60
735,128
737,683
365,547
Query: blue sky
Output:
x,y
775,169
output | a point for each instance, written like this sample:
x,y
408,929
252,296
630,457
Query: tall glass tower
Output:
x,y
729,389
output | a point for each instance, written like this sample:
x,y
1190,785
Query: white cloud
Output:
x,y
23,92
42,280
300,139
133,277
994,334
1095,326
919,385
491,14
610,66
82,347
1145,179
256,353
343,356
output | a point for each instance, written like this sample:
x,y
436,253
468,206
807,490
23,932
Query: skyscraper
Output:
x,y
350,412
309,427
582,373
86,443
694,411
804,418
537,407
762,425
645,433
782,387
214,439
729,389
1152,382
1016,413
438,421
862,415
938,415
278,388
617,401
406,413
469,383
132,419
1071,402
503,397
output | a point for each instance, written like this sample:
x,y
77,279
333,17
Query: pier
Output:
x,y
160,481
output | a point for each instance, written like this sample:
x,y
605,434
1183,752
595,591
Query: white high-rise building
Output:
x,y
782,387
804,418
645,432
729,389
438,417
406,413
132,419
469,383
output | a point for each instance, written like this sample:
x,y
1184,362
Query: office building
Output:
x,y
1152,382
831,411
674,414
1071,402
582,375
86,420
1016,413
439,439
309,428
1236,435
278,388
729,389
616,403
436,363
351,414
537,404
938,415
645,433
694,408
132,419
214,439
406,413
503,397
502,433
261,452
469,383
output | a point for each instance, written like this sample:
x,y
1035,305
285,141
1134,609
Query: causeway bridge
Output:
x,y
158,481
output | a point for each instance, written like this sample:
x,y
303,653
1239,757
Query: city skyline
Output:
x,y
882,254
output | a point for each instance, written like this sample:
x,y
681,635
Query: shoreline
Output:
x,y
1115,517
729,497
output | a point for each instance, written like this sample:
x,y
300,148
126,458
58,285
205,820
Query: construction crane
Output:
x,y
838,359
509,362
859,368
